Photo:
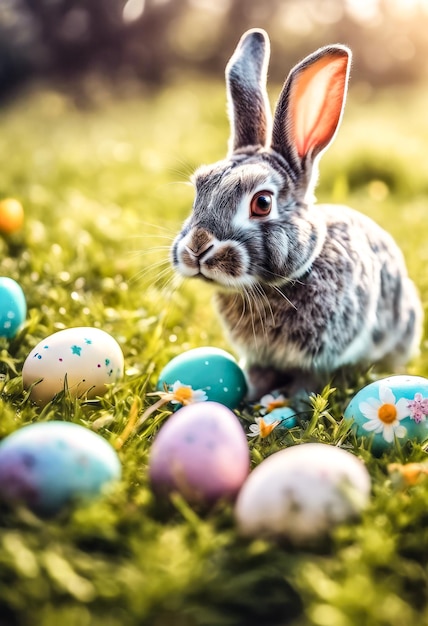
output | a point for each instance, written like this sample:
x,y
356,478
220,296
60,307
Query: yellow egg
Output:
x,y
11,215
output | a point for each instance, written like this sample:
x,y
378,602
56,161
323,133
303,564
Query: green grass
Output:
x,y
103,193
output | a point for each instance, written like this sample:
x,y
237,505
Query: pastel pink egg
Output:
x,y
200,452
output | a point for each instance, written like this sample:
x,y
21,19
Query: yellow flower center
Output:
x,y
183,395
387,413
266,429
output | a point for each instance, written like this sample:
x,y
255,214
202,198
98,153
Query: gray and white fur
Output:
x,y
303,289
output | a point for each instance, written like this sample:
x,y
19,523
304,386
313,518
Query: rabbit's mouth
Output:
x,y
200,254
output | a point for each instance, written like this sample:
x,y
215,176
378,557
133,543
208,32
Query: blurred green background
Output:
x,y
106,108
157,40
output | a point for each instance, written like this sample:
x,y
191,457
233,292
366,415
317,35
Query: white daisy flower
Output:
x,y
384,414
270,402
261,429
178,394
184,394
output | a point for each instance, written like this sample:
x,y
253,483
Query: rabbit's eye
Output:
x,y
261,204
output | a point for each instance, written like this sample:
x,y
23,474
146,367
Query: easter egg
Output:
x,y
211,370
83,360
48,464
11,215
13,307
285,415
391,409
281,418
301,493
201,452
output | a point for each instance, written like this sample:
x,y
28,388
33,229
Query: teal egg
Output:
x,y
391,409
285,415
211,370
13,307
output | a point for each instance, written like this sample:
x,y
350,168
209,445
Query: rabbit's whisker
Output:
x,y
173,283
255,293
249,297
150,269
264,298
143,236
141,252
278,290
154,226
244,308
282,278
155,265
261,311
186,171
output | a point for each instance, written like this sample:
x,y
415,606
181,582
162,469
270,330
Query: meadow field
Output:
x,y
103,181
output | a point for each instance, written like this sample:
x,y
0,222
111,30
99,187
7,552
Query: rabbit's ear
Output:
x,y
310,105
249,110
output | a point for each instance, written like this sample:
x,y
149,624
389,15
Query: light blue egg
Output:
x,y
209,369
391,409
13,307
47,465
285,415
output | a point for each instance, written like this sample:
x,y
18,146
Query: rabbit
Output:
x,y
303,290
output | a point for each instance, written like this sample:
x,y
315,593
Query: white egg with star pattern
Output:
x,y
83,361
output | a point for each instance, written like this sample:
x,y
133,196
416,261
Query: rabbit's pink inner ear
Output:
x,y
316,103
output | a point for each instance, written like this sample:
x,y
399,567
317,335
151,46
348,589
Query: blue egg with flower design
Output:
x,y
390,410
209,372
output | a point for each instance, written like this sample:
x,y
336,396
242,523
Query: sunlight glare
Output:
x,y
369,11
407,7
365,11
133,10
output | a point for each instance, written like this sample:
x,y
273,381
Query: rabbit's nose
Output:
x,y
200,243
199,253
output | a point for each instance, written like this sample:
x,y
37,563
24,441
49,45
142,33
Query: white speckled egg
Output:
x,y
49,464
84,360
201,452
391,409
301,492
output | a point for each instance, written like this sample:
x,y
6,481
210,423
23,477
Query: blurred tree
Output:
x,y
17,36
79,35
154,39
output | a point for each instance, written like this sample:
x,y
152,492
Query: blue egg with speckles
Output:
x,y
391,410
209,369
285,415
48,465
13,307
